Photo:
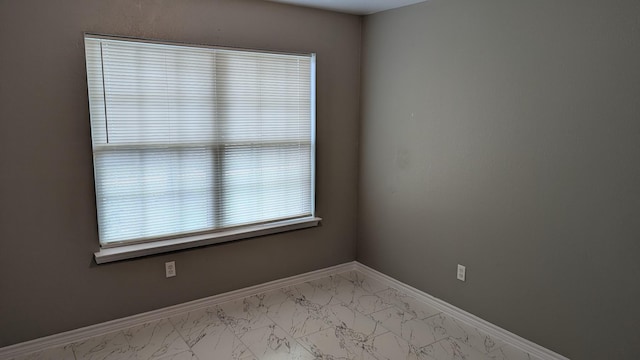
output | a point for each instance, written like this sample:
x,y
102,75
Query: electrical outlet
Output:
x,y
170,268
462,272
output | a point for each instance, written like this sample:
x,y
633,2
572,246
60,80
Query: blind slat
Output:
x,y
190,139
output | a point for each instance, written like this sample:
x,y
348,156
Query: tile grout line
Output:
x,y
342,303
181,337
326,307
260,327
243,343
423,320
459,323
515,341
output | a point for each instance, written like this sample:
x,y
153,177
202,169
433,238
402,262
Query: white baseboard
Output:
x,y
71,336
68,337
480,324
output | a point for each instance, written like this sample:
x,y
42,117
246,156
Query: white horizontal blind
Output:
x,y
191,139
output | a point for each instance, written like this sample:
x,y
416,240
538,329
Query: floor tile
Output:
x,y
452,349
363,302
155,340
363,281
59,353
112,346
407,303
298,318
328,283
242,315
261,302
462,332
361,326
391,347
195,325
392,319
417,332
299,311
351,294
333,343
308,294
208,336
271,343
186,355
221,343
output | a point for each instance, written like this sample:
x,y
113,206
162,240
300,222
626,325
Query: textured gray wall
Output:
x,y
48,280
505,135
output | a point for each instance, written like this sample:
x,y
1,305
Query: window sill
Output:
x,y
157,247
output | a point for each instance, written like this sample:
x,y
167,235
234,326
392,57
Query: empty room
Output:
x,y
319,179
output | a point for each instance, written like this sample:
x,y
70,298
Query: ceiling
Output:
x,y
357,7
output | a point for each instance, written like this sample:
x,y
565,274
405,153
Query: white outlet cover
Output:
x,y
170,268
462,272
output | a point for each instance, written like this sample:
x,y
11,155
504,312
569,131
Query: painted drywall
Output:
x,y
505,136
48,280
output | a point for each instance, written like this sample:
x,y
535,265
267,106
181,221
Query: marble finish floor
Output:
x,y
345,316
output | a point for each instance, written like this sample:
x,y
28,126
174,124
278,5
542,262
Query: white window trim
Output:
x,y
119,252
106,255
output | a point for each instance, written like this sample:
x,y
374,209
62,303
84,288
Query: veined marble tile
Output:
x,y
262,301
243,315
349,337
452,349
271,342
392,319
417,332
462,332
298,317
508,352
328,283
407,303
308,294
112,346
351,294
391,347
298,311
155,340
333,343
221,343
361,328
186,355
59,353
362,301
208,336
365,282
196,325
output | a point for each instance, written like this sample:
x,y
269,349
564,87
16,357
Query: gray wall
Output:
x,y
48,280
505,135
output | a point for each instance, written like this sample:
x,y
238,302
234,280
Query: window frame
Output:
x,y
128,249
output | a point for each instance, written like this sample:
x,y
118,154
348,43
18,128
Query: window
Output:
x,y
193,140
